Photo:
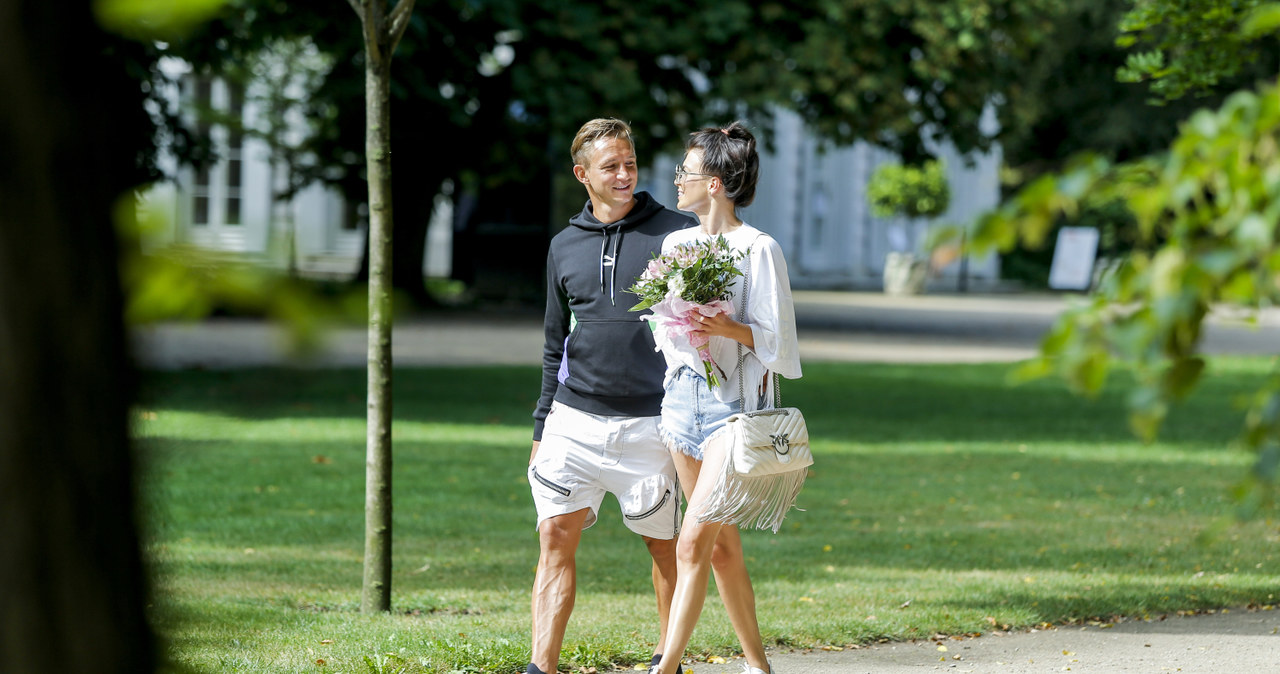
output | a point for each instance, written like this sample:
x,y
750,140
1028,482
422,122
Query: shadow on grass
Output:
x,y
471,395
880,402
854,402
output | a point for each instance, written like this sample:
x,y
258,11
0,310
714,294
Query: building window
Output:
x,y
217,185
202,98
234,154
200,192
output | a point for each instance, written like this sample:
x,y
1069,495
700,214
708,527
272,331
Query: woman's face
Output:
x,y
692,184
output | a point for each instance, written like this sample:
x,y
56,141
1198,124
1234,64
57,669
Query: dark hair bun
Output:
x,y
730,154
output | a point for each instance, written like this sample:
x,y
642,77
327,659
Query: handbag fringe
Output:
x,y
756,502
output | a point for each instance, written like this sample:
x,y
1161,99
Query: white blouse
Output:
x,y
770,315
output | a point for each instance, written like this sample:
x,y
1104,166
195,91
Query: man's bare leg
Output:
x,y
555,586
664,582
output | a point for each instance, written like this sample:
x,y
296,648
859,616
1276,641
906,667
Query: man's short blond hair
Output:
x,y
605,127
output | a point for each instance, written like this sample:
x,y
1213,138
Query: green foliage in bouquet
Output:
x,y
698,272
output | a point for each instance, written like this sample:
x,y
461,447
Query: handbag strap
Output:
x,y
742,318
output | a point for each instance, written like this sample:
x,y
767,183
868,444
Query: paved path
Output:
x,y
1228,642
835,326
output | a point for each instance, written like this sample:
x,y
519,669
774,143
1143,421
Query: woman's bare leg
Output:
x,y
703,545
734,583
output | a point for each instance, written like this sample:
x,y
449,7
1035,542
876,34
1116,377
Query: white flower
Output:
x,y
675,288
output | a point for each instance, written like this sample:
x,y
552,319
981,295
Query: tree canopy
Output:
x,y
1195,47
496,89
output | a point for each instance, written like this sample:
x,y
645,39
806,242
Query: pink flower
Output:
x,y
676,316
656,269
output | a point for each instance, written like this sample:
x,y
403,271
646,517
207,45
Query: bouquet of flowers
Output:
x,y
691,280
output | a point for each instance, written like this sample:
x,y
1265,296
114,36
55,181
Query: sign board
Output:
x,y
1073,257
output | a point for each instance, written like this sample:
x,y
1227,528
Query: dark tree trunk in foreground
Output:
x,y
72,584
382,30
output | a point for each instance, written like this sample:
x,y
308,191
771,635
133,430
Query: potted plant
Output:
x,y
898,191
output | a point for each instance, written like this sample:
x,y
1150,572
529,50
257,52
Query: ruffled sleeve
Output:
x,y
771,310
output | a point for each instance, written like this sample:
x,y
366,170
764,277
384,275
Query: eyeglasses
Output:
x,y
681,174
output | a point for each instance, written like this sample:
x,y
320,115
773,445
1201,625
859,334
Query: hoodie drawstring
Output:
x,y
610,261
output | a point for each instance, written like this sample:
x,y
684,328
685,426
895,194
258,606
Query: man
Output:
x,y
596,424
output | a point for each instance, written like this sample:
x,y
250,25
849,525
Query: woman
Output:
x,y
717,177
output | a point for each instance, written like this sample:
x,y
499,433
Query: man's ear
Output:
x,y
580,172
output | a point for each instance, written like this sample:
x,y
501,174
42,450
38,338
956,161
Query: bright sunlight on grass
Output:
x,y
943,500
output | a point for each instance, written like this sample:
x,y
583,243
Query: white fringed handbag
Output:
x,y
767,460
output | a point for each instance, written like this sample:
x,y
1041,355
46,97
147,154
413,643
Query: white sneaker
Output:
x,y
748,669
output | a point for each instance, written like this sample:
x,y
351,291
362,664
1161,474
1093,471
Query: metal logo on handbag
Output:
x,y
769,441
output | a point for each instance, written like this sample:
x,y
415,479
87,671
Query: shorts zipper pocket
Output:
x,y
559,489
665,497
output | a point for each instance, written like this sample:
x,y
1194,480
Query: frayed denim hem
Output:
x,y
675,444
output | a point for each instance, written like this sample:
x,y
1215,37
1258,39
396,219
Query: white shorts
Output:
x,y
583,455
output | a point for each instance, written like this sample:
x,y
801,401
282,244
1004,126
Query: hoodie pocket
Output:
x,y
613,358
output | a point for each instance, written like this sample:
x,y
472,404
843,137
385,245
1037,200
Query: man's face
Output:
x,y
611,177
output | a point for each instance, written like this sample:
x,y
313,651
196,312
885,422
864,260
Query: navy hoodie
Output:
x,y
599,357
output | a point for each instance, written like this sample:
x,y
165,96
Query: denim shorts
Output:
x,y
691,413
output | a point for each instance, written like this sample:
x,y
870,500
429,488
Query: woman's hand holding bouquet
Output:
x,y
682,286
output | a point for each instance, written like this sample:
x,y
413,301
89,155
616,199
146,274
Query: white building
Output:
x,y
230,205
814,203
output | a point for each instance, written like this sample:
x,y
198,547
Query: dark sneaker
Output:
x,y
658,658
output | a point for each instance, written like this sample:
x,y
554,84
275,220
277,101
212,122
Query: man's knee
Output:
x,y
559,535
662,550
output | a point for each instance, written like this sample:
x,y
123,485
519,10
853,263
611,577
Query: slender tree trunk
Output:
x,y
377,542
382,31
72,582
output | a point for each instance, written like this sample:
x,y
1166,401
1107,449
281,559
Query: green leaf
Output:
x,y
946,235
1262,21
1146,412
1254,234
1241,288
1036,368
1166,272
1182,377
155,19
1062,333
1090,372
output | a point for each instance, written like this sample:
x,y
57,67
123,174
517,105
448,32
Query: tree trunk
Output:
x,y
73,585
377,539
381,33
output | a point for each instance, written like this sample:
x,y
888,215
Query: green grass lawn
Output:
x,y
943,500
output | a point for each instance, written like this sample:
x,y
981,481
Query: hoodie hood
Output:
x,y
611,235
645,207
